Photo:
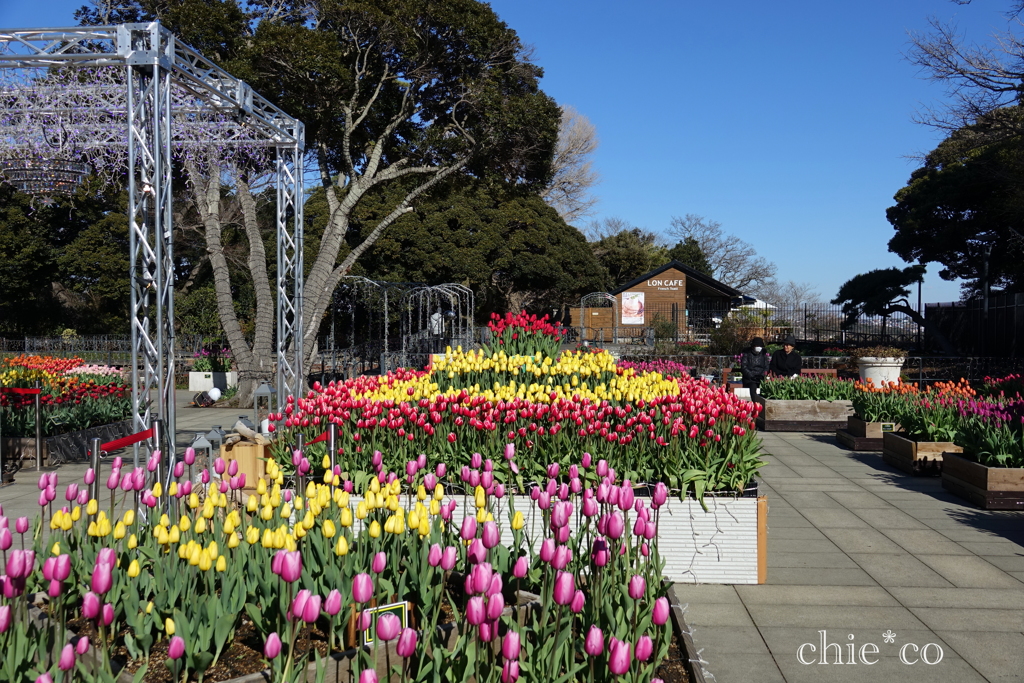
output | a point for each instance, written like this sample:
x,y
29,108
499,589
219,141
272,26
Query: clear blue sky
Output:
x,y
788,122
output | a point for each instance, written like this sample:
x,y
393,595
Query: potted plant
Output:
x,y
211,367
990,471
806,404
879,364
873,411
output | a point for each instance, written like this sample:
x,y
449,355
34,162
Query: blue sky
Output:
x,y
787,122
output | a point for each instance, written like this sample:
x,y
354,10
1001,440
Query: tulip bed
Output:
x,y
173,592
74,396
652,428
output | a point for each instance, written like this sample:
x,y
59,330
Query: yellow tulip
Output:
x,y
55,550
222,564
374,529
184,551
343,499
55,520
76,514
393,504
289,543
328,529
267,540
214,549
261,486
362,510
133,542
129,517
424,526
196,555
169,626
252,504
310,490
480,497
435,508
279,537
229,526
389,524
205,561
300,531
149,607
184,523
374,485
421,492
341,547
193,500
174,535
158,489
133,569
162,537
119,531
307,520
326,462
346,517
233,541
371,499
286,511
517,521
438,492
172,490
252,535
92,507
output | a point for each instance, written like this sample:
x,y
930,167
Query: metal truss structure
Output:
x,y
141,96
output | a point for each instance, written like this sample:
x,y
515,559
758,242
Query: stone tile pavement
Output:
x,y
859,550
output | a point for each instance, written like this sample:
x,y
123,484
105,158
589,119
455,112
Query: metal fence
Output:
x,y
103,349
997,331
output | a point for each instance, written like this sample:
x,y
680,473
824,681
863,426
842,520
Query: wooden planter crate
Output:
x,y
804,416
251,460
916,457
990,488
864,436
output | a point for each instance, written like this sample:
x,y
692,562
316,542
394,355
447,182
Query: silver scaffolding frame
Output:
x,y
154,62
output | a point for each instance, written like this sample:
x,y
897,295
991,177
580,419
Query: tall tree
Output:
x,y
733,261
626,252
572,172
408,92
689,253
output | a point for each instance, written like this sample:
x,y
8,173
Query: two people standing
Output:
x,y
755,365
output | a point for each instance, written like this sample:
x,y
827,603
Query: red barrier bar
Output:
x,y
15,390
118,444
322,437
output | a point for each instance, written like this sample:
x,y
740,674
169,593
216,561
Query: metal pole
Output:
x,y
39,427
158,428
300,445
94,462
919,313
332,444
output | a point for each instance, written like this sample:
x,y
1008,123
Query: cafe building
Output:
x,y
673,299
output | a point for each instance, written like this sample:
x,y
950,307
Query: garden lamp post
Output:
x,y
216,434
263,391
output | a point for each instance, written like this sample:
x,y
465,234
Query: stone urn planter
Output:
x,y
204,381
916,457
879,370
864,436
990,488
804,415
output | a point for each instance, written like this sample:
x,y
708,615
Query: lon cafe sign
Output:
x,y
666,285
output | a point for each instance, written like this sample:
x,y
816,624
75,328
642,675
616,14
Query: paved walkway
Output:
x,y
857,549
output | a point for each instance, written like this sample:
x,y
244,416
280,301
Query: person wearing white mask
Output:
x,y
754,366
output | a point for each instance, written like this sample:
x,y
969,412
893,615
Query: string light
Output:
x,y
44,176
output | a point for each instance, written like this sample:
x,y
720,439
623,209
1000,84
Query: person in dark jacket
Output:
x,y
786,362
754,366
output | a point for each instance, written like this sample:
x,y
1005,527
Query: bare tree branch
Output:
x,y
733,261
573,175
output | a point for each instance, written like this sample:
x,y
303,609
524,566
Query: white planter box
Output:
x,y
728,544
204,381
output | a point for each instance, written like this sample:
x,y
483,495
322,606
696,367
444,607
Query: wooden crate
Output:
x,y
251,461
804,416
990,488
915,457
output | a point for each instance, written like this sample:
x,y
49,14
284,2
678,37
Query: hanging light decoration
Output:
x,y
44,176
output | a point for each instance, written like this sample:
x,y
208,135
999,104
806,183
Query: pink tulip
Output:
x,y
179,469
448,558
521,567
476,552
298,605
190,457
637,586
562,535
102,578
48,568
639,526
107,614
5,618
276,560
510,646
311,612
544,500
487,631
660,495
272,648
406,643
362,588
481,575
83,498
16,564
176,648
43,482
44,499
186,488
365,620
577,602
291,566
204,477
626,497
547,550
45,678
499,491
332,605
67,658
233,468
55,589
589,507
71,492
586,460
562,557
90,476
644,648
218,466
510,672
616,525
565,588
5,539
496,585
491,535
602,468
434,555
380,561
113,479
560,515
468,530
476,611
82,646
619,657
368,676
661,611
153,462
388,626
495,606
594,644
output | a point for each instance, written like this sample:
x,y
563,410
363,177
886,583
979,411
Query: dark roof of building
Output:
x,y
706,281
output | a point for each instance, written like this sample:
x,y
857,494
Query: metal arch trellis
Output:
x,y
137,96
435,317
589,300
352,291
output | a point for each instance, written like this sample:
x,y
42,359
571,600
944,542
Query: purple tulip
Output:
x,y
82,646
291,566
368,676
619,657
176,648
272,648
332,605
362,588
637,586
491,535
311,611
5,618
565,588
102,578
380,561
510,646
577,602
67,658
661,611
448,558
594,644
644,648
476,611
388,626
468,530
406,643
434,555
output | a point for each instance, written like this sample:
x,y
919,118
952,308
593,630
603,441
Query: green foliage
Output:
x,y
689,253
808,389
878,292
628,254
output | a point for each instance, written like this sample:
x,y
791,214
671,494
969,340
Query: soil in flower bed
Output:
x,y
673,669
